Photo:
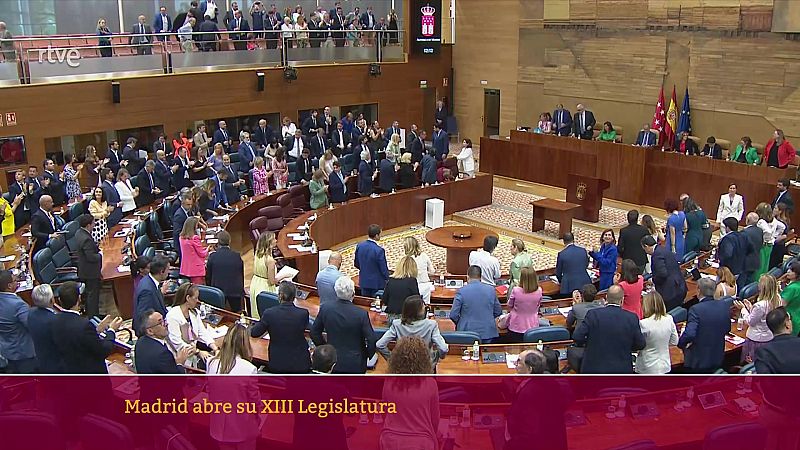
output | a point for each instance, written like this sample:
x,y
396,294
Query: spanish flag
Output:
x,y
669,128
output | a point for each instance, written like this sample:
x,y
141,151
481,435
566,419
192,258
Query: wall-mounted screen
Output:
x,y
12,150
426,26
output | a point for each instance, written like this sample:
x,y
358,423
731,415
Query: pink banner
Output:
x,y
371,412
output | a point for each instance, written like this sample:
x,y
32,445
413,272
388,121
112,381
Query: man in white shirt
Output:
x,y
162,24
295,144
730,205
483,258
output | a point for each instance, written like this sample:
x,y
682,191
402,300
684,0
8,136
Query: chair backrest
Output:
x,y
776,272
266,300
35,430
638,445
76,210
292,168
679,314
211,295
154,227
461,337
347,163
749,291
298,197
620,391
166,214
98,433
171,439
285,203
274,217
7,196
688,257
44,271
258,226
141,228
546,334
234,158
141,244
71,228
739,436
60,251
788,264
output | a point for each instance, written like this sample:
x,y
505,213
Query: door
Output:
x,y
491,112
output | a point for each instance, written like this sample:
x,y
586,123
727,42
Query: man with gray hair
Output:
x,y
752,259
163,172
610,335
348,329
148,187
667,273
703,340
326,278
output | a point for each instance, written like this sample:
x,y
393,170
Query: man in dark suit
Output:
x,y
294,145
368,21
394,129
17,190
34,187
441,144
148,295
225,270
271,25
112,196
428,163
370,260
131,154
148,187
348,329
571,265
752,259
247,154
286,325
163,173
412,135
142,42
161,144
779,356
314,26
562,121
231,181
240,27
319,143
703,340
114,157
209,35
341,140
221,136
40,323
733,248
180,170
263,134
53,186
583,123
712,149
90,262
311,123
475,307
610,335
338,26
162,24
387,174
231,14
77,341
667,273
152,355
646,137
783,196
630,241
303,168
337,184
179,218
43,224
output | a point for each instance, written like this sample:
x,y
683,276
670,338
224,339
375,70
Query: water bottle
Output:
x,y
476,349
540,345
465,417
740,322
313,247
441,279
621,405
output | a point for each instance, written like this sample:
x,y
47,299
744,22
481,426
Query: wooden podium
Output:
x,y
588,193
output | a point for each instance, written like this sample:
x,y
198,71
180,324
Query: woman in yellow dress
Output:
x,y
263,271
7,215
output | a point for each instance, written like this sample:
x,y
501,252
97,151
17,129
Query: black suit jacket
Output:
x,y
417,148
112,196
55,189
407,178
114,160
34,190
387,176
231,191
263,137
225,270
752,260
135,163
335,141
668,277
303,169
82,350
786,198
153,357
163,176
630,244
610,334
732,250
41,229
20,216
40,325
708,323
589,122
178,219
146,194
349,331
317,148
715,151
310,125
288,348
90,261
779,356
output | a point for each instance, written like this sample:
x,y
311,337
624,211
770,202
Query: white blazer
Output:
x,y
728,208
186,332
659,335
467,161
126,196
243,389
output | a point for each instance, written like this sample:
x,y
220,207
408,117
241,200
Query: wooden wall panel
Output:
x,y
173,100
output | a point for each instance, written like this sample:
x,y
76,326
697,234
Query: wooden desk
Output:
x,y
458,249
554,211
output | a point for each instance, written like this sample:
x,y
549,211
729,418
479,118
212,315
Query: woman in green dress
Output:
x,y
746,153
695,220
521,259
608,134
791,295
319,191
765,218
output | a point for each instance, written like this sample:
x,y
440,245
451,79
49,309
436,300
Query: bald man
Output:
x,y
137,38
327,277
752,260
531,362
583,123
43,223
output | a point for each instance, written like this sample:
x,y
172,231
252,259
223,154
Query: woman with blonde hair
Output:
x,y
425,267
521,259
319,191
234,431
288,128
260,177
327,163
264,271
401,284
523,305
726,283
301,32
767,226
659,333
186,328
758,333
394,146
193,252
406,177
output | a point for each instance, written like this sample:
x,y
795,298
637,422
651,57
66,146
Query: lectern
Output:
x,y
588,193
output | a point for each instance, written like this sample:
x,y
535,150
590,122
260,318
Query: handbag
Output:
x,y
502,321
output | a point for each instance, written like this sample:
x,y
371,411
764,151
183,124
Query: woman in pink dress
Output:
x,y
280,169
260,177
523,305
193,253
632,283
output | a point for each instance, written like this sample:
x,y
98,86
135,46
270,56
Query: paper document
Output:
x,y
218,332
511,360
7,258
123,269
298,238
212,241
733,339
286,273
28,234
222,218
295,247
294,234
565,310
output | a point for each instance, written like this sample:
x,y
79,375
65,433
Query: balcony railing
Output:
x,y
49,59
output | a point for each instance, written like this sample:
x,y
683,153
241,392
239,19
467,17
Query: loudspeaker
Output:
x,y
115,94
375,69
260,76
289,73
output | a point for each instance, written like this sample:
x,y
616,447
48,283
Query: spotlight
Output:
x,y
375,70
115,91
260,85
289,73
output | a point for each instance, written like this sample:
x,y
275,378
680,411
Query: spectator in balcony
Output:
x,y
301,29
6,44
210,9
287,29
240,25
380,32
103,41
230,15
209,37
259,16
185,35
162,24
139,37
393,27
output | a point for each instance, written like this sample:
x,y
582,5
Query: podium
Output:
x,y
588,193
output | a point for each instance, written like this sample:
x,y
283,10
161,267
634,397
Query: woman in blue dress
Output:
x,y
676,227
605,258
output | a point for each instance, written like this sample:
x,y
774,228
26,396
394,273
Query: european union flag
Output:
x,y
685,119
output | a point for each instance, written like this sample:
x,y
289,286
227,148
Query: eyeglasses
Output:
x,y
163,321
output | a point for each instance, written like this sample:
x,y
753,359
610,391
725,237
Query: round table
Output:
x,y
458,249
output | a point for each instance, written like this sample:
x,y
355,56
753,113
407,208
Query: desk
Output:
x,y
554,211
458,249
